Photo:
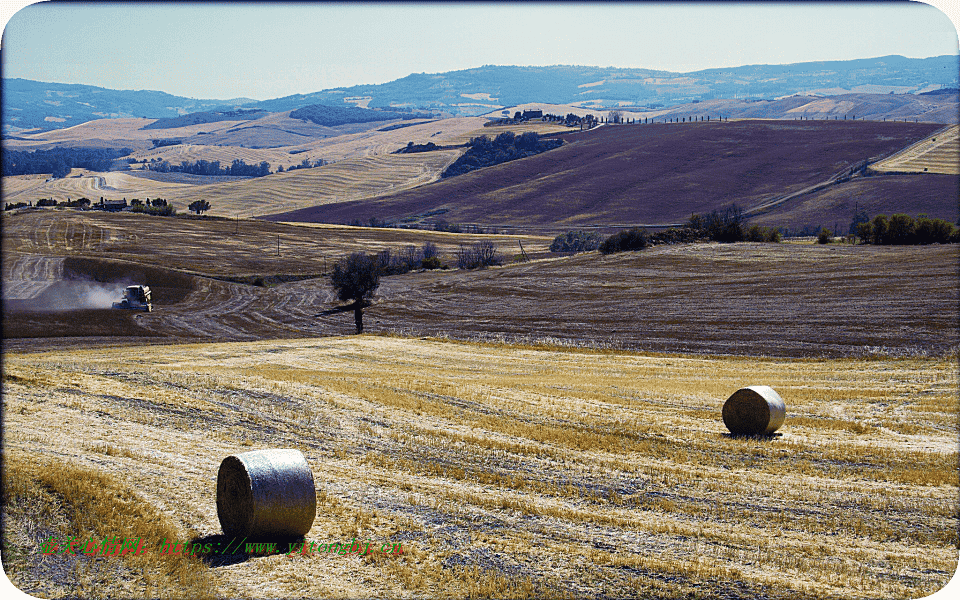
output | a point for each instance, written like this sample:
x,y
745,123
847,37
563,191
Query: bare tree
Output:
x,y
614,116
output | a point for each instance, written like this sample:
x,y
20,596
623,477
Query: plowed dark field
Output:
x,y
658,174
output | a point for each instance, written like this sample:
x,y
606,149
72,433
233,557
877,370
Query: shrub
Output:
x,y
900,230
199,206
478,256
624,241
932,231
158,211
726,226
575,241
408,259
431,263
879,233
46,202
756,233
865,232
824,236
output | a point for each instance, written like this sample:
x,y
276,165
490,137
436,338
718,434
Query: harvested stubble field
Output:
x,y
770,299
939,153
504,471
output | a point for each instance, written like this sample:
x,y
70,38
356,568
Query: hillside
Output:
x,y
31,105
652,175
28,104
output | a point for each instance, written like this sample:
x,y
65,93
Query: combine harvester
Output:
x,y
135,297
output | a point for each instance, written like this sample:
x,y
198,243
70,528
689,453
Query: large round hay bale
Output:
x,y
754,410
266,494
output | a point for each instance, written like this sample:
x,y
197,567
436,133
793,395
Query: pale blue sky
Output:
x,y
263,50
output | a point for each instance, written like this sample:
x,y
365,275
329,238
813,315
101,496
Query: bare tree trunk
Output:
x,y
358,316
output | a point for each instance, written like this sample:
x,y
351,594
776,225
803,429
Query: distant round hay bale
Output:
x,y
266,494
754,410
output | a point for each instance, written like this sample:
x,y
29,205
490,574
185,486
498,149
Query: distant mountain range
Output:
x,y
32,105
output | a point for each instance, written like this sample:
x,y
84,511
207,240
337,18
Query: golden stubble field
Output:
x,y
360,164
508,471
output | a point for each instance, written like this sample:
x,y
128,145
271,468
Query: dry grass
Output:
x,y
527,471
939,153
360,163
350,179
47,498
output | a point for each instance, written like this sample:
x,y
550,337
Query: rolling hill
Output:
x,y
657,175
32,105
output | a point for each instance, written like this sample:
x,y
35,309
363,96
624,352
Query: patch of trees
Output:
x,y
570,120
157,207
575,241
901,229
718,226
59,161
213,168
507,146
199,206
412,148
162,143
410,258
304,164
625,241
728,226
330,116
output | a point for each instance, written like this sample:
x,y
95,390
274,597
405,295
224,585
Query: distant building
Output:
x,y
111,205
533,114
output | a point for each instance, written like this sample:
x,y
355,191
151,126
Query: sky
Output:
x,y
268,50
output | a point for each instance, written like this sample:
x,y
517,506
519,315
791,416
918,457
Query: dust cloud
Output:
x,y
77,294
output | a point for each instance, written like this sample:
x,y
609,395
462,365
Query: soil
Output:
x,y
654,174
769,299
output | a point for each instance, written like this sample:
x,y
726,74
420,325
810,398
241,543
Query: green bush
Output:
x,y
932,231
431,263
575,241
879,233
726,226
756,233
865,232
900,230
824,236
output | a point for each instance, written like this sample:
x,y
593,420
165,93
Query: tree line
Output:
x,y
902,229
59,161
484,152
212,168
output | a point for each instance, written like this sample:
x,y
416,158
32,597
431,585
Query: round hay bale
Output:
x,y
754,410
266,494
